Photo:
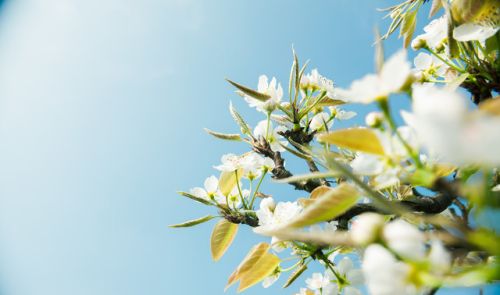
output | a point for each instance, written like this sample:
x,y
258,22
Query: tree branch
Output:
x,y
262,147
427,205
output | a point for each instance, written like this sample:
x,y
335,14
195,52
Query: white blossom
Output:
x,y
270,88
317,281
384,275
474,32
405,239
230,163
365,228
455,135
435,33
272,135
427,64
393,76
319,121
210,189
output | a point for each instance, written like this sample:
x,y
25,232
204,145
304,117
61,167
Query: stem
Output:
x,y
451,65
257,189
268,125
384,105
239,190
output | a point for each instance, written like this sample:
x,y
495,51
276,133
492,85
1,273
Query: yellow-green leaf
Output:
x,y
262,269
194,221
491,106
329,205
245,129
436,6
358,139
250,260
222,237
227,181
195,198
235,137
295,275
250,92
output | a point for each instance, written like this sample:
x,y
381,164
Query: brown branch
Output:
x,y
262,147
427,205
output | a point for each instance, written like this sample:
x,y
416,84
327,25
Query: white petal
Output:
x,y
260,129
405,239
365,164
211,184
471,32
395,72
422,61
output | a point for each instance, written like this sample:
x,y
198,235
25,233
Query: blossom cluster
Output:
x,y
386,206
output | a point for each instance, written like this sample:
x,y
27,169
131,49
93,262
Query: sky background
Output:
x,y
102,105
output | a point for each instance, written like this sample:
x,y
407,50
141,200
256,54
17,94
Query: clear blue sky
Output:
x,y
102,105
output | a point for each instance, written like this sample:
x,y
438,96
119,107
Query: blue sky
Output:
x,y
102,105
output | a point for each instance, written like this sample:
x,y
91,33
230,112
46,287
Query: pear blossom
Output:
x,y
384,274
474,32
439,258
427,64
270,88
272,135
435,33
374,119
317,281
392,78
273,215
315,81
353,276
319,121
210,189
405,239
457,136
366,227
340,114
230,163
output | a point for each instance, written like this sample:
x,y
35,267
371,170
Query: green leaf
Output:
x,y
264,267
193,222
235,137
239,120
329,205
248,262
250,92
358,139
222,236
486,240
195,198
295,275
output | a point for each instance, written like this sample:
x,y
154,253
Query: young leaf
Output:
x,y
295,275
250,92
222,237
235,137
195,198
193,222
305,177
227,181
330,204
239,120
250,260
262,269
436,6
491,106
358,139
408,26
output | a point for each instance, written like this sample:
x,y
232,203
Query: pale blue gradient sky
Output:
x,y
102,105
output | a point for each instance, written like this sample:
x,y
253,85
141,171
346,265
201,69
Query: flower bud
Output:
x,y
374,119
366,227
